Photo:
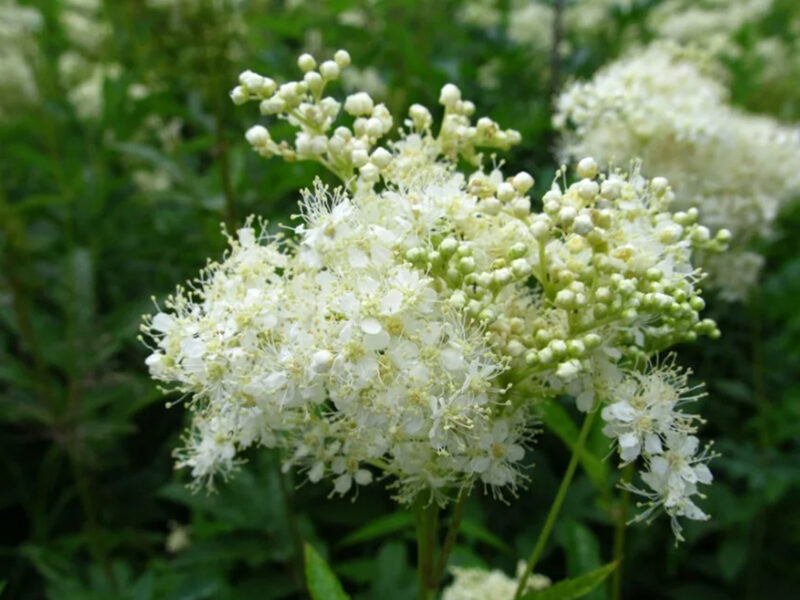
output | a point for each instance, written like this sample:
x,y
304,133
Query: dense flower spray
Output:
x,y
83,68
711,24
18,55
529,23
417,317
479,584
661,106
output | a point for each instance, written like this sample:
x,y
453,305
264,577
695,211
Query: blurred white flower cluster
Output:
x,y
529,23
222,25
18,54
708,24
479,584
415,319
83,69
659,105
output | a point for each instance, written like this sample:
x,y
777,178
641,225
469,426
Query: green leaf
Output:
x,y
380,527
583,552
476,531
557,418
322,583
2,587
569,589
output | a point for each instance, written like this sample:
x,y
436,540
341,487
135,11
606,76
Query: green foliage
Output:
x,y
570,589
322,583
90,504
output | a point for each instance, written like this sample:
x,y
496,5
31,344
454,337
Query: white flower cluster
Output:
x,y
479,584
82,69
419,314
529,23
225,23
353,153
708,24
646,420
659,106
18,54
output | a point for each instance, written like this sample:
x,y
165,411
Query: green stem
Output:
x,y
97,545
753,584
426,515
620,527
555,508
298,564
452,535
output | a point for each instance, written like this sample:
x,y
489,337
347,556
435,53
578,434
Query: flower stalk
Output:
x,y
426,515
555,508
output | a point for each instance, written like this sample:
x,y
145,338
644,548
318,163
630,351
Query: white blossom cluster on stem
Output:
x,y
480,584
647,420
710,24
530,23
19,26
659,105
83,69
412,323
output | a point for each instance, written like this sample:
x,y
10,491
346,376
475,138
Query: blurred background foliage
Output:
x,y
113,185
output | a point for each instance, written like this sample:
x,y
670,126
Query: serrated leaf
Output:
x,y
380,527
578,587
557,419
322,583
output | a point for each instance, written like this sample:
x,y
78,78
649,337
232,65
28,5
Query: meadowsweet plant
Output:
x,y
663,105
83,68
410,327
710,24
480,584
18,55
529,23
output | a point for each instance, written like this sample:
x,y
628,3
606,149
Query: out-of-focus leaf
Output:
x,y
379,527
556,418
577,587
583,552
476,531
731,557
322,583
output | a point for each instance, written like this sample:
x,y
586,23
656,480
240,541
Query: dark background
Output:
x,y
88,495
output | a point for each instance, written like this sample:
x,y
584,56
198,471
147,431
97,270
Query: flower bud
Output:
x,y
449,95
587,167
381,157
329,70
306,63
359,104
522,182
257,136
520,268
239,96
342,58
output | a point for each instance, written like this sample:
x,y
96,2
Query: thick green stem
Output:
x,y
426,514
555,508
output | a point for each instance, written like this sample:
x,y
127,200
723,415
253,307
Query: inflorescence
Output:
x,y
418,316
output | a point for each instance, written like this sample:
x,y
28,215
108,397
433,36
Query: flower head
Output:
x,y
408,328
